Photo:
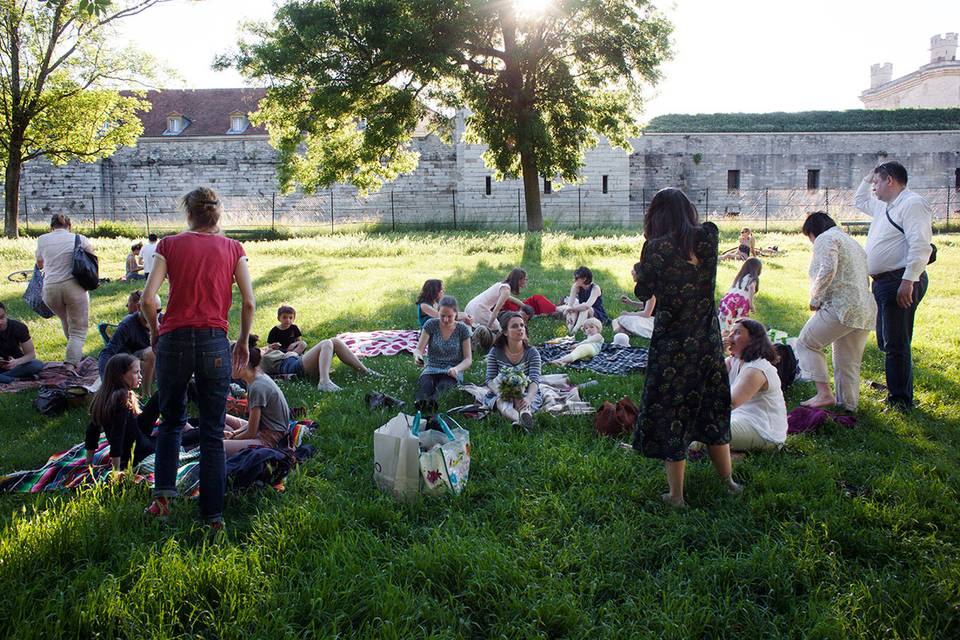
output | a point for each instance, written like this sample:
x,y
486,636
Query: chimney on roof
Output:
x,y
880,74
943,48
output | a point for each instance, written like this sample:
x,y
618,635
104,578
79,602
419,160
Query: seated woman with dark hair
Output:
x,y
758,420
269,417
446,344
486,307
116,412
428,303
513,373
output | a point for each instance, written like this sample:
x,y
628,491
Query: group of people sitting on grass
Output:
x,y
711,381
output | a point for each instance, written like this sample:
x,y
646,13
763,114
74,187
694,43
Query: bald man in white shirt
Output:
x,y
898,250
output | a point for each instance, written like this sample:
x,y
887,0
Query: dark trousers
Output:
x,y
24,370
203,354
431,385
895,334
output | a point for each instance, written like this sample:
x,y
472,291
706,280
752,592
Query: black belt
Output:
x,y
896,274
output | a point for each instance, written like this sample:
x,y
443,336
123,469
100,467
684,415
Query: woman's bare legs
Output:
x,y
675,470
580,318
316,364
349,358
720,457
233,447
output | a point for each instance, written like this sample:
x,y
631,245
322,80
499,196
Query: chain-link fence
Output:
x,y
569,208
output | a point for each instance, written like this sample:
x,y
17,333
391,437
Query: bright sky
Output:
x,y
729,55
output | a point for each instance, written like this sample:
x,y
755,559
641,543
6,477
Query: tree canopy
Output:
x,y
57,86
349,80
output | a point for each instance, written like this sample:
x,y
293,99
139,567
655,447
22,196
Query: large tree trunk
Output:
x,y
531,191
11,194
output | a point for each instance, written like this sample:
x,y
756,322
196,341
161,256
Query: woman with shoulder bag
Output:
x,y
61,291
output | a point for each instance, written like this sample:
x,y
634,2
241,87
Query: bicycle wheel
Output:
x,y
20,276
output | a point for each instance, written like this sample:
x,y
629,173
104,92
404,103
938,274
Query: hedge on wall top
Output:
x,y
853,120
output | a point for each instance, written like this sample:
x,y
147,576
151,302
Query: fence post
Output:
x,y
826,193
146,213
706,204
26,213
579,210
643,201
454,193
331,209
518,211
948,209
393,212
273,211
93,210
766,208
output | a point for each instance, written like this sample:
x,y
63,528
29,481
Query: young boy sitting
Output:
x,y
586,348
286,336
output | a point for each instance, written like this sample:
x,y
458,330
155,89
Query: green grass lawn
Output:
x,y
847,533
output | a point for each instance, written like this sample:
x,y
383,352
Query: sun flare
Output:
x,y
532,8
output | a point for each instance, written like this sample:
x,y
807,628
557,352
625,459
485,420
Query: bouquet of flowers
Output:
x,y
513,383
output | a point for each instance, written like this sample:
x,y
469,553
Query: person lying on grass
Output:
x,y
269,417
586,348
513,373
446,344
315,363
428,304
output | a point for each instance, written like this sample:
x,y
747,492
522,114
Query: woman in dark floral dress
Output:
x,y
686,394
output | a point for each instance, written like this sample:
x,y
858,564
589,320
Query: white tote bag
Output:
x,y
396,457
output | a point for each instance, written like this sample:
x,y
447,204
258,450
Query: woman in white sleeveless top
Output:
x,y
758,420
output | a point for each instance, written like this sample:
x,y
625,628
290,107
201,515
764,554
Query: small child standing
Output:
x,y
587,348
286,336
737,302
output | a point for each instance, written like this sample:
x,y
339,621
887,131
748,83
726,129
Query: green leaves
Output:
x,y
351,79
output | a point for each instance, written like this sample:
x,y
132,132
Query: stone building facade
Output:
x,y
933,85
202,138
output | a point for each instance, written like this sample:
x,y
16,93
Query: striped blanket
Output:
x,y
69,470
389,342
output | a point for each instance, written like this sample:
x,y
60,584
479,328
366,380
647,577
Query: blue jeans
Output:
x,y
203,354
895,334
24,370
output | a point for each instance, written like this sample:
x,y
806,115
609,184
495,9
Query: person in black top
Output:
x,y
116,412
686,392
286,336
18,359
133,337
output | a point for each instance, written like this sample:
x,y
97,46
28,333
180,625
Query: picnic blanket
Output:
x,y
560,396
69,469
613,359
389,342
56,373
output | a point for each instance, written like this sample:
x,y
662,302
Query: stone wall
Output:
x,y
449,185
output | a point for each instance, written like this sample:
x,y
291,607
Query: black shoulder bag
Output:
x,y
933,247
86,266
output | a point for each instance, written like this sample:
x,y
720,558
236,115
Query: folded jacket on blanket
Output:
x,y
613,359
388,342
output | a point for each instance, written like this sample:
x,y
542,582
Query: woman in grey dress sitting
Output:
x,y
446,344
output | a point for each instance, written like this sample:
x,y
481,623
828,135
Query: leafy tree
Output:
x,y
56,70
350,79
